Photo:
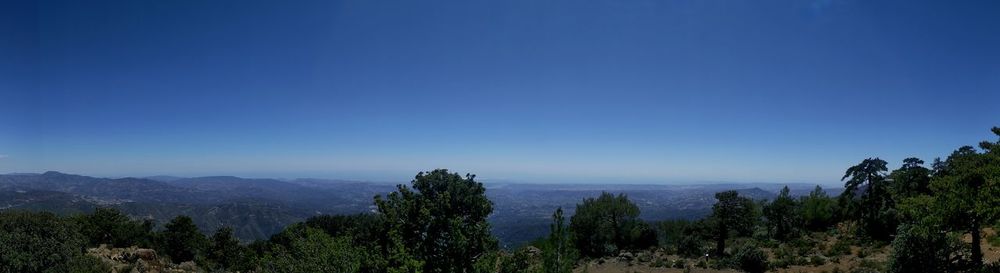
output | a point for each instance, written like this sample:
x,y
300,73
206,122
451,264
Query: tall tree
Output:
x,y
559,255
910,180
606,224
875,208
226,250
181,239
818,211
442,220
967,187
783,220
730,213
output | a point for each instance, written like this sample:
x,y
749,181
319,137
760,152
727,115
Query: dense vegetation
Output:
x,y
438,224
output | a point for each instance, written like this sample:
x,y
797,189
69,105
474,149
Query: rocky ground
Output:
x,y
139,260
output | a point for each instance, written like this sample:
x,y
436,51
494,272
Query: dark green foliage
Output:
x,y
517,262
670,232
181,240
874,209
749,258
690,247
732,213
226,251
558,254
910,180
442,221
967,187
606,224
818,211
783,220
363,228
840,248
367,232
918,248
87,264
41,242
111,226
307,249
682,237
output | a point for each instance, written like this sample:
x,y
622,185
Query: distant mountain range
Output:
x,y
257,208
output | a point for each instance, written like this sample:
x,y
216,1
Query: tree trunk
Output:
x,y
720,243
977,251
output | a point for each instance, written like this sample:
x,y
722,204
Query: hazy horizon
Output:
x,y
553,92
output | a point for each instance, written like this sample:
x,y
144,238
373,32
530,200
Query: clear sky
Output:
x,y
665,91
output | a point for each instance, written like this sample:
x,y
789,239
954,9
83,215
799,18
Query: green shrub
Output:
x,y
660,262
88,264
841,247
33,242
816,260
863,252
679,263
690,247
994,240
749,258
922,249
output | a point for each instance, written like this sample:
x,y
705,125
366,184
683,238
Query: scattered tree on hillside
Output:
x,y
818,211
967,191
606,224
558,253
226,251
910,180
783,220
442,220
731,213
181,240
874,209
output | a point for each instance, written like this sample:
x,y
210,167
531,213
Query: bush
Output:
x,y
841,247
993,239
690,247
659,262
749,258
111,226
39,242
922,249
87,264
786,255
816,260
311,250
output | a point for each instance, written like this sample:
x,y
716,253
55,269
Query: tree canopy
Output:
x,y
442,220
607,224
731,213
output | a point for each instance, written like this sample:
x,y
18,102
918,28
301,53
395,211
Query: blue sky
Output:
x,y
523,90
